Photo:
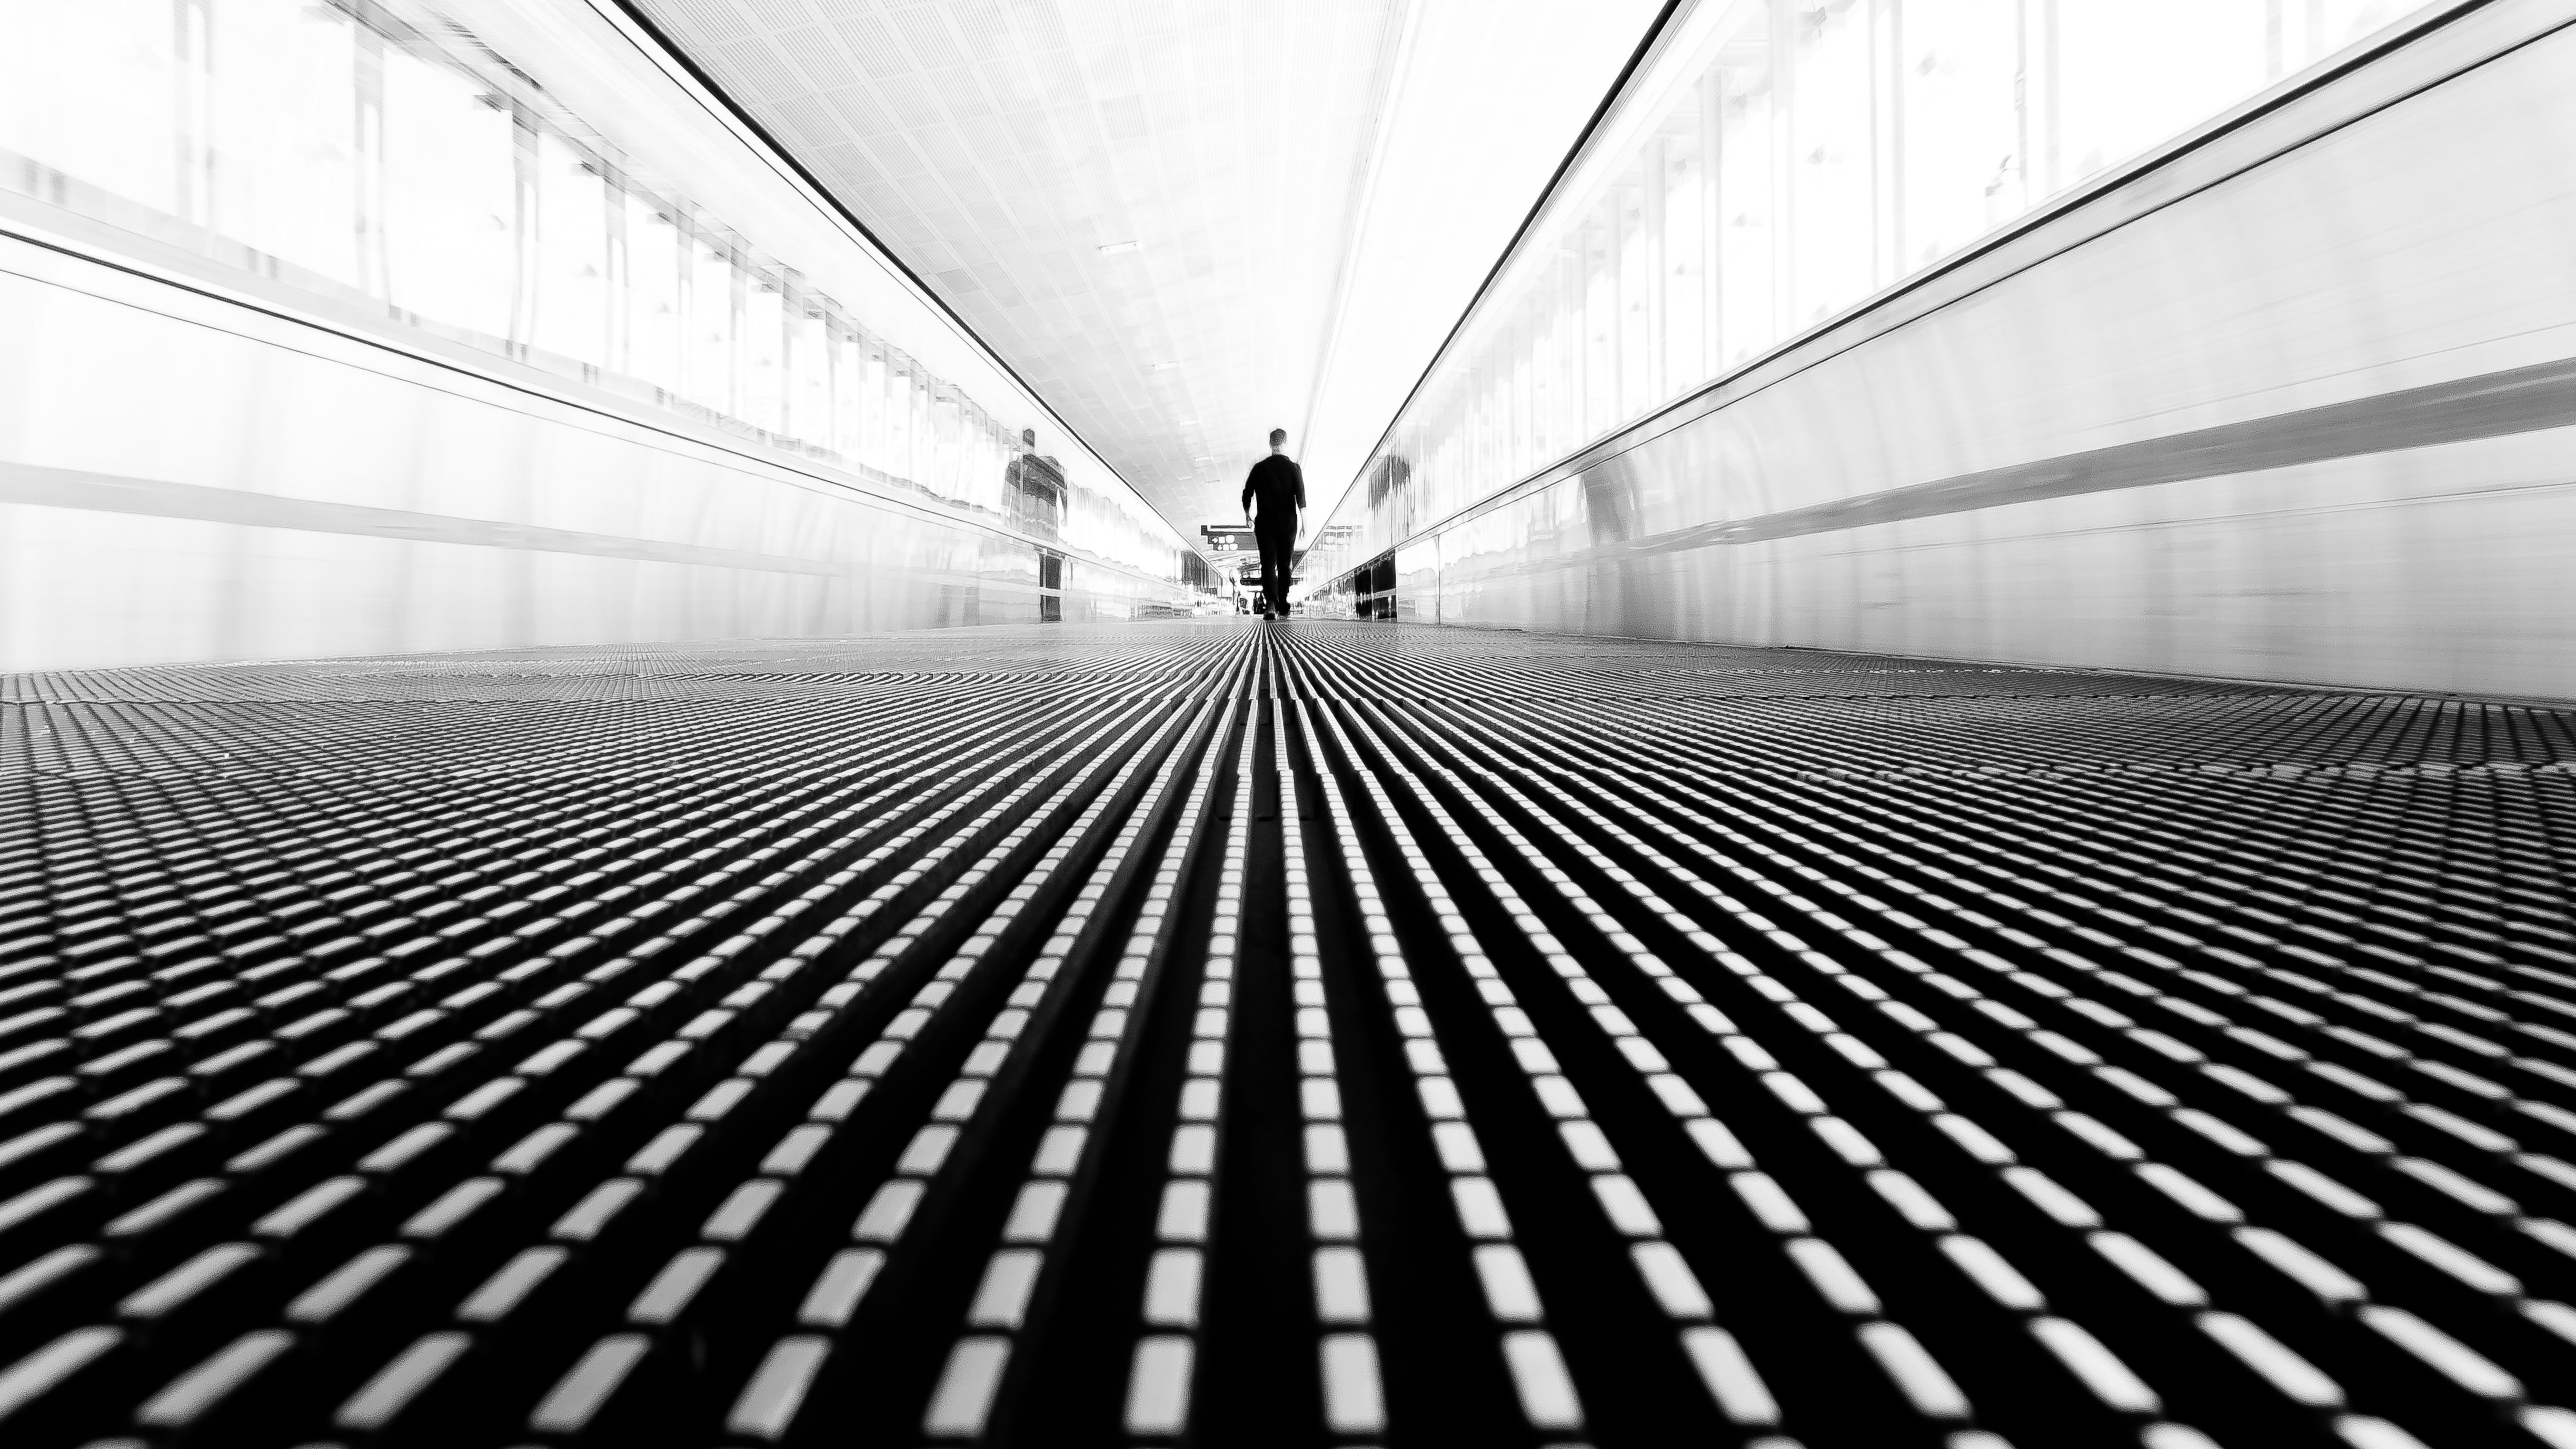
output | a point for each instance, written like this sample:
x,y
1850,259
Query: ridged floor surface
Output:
x,y
1311,1034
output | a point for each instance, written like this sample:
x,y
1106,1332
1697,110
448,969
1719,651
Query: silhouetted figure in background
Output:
x,y
1281,488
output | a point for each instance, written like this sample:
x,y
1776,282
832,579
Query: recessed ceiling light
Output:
x,y
1120,248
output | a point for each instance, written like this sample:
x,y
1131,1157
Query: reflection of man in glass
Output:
x,y
1033,494
1281,488
1388,475
1033,488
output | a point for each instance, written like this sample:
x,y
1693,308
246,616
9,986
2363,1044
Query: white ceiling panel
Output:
x,y
1161,212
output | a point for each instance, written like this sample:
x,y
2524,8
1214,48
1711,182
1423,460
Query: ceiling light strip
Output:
x,y
648,38
1646,47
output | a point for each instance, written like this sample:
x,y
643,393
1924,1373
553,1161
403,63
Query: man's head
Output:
x,y
1278,439
1029,439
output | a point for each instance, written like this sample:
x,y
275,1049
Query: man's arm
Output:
x,y
1300,475
1247,496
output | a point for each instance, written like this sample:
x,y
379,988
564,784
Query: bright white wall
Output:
x,y
2300,263
194,473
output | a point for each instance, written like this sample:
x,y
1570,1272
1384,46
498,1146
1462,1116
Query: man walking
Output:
x,y
1281,487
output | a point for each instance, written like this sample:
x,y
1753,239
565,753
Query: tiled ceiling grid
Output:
x,y
998,145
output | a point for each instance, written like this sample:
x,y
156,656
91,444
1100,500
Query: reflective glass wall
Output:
x,y
376,152
1775,163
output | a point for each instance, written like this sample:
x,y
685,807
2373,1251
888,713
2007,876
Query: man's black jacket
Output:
x,y
1281,487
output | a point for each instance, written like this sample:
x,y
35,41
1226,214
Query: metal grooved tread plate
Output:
x,y
1308,1034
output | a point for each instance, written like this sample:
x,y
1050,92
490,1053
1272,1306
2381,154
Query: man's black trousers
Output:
x,y
1275,549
